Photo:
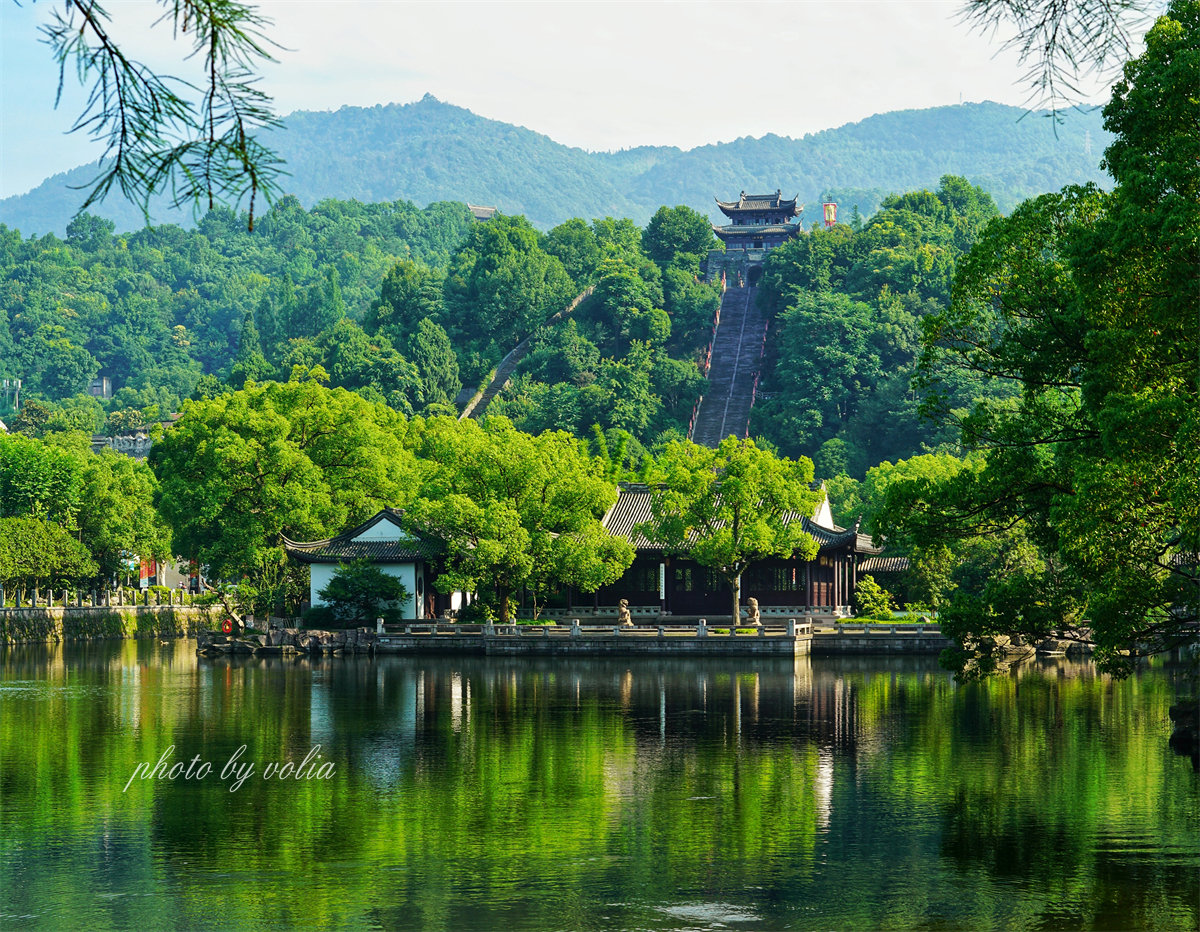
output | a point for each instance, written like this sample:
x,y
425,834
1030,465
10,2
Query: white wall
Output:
x,y
383,530
322,574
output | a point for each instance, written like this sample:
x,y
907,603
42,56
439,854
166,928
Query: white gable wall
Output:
x,y
823,515
383,530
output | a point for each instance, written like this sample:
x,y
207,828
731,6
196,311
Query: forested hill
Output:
x,y
430,151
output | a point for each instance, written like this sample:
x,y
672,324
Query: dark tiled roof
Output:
x,y
633,507
749,202
753,231
883,565
481,213
343,548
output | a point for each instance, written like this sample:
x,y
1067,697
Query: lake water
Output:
x,y
833,793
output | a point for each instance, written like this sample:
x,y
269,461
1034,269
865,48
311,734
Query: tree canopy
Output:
x,y
240,471
515,510
728,507
1085,303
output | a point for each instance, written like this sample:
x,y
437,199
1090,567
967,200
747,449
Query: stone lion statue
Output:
x,y
752,616
623,615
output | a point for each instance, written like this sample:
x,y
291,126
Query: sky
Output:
x,y
598,75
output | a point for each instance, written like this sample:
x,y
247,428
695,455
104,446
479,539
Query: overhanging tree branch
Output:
x,y
157,137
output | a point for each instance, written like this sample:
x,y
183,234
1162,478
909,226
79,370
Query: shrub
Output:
x,y
873,600
478,612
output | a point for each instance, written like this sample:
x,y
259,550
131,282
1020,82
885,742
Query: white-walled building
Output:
x,y
383,542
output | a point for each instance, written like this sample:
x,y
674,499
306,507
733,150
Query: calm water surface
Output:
x,y
499,794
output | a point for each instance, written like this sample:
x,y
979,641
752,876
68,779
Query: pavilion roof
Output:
x,y
760,202
883,565
752,231
345,547
633,506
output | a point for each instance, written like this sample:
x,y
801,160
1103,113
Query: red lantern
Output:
x,y
227,626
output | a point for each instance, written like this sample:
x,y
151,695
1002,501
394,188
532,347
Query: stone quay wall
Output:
x,y
41,625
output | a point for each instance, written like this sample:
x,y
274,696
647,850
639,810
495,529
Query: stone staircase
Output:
x,y
507,367
733,372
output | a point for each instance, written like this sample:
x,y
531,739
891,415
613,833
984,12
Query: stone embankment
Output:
x,y
41,625
286,641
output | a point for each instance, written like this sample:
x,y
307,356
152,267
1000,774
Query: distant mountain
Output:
x,y
429,151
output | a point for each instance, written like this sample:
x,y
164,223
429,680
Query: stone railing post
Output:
x,y
791,627
145,596
576,631
702,628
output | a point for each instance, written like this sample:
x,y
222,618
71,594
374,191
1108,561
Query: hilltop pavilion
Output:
x,y
758,222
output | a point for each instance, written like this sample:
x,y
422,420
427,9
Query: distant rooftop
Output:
x,y
775,203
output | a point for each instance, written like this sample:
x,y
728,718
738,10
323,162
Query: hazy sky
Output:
x,y
600,75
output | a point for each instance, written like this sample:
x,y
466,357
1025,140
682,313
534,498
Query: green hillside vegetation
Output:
x,y
160,309
431,151
849,304
400,305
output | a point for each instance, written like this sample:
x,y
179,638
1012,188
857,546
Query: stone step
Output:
x,y
736,355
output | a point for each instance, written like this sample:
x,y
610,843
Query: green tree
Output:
x,y
516,510
117,516
873,600
89,232
250,365
676,231
502,285
430,351
411,292
576,246
239,471
1087,303
728,507
34,552
39,480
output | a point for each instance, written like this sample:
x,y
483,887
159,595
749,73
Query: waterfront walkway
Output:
x,y
791,638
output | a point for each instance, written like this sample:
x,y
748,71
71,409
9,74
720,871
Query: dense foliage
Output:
x,y
625,359
1085,498
159,309
849,304
69,514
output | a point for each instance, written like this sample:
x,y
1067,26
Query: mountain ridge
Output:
x,y
429,151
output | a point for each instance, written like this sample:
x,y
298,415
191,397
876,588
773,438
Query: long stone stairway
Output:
x,y
733,371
